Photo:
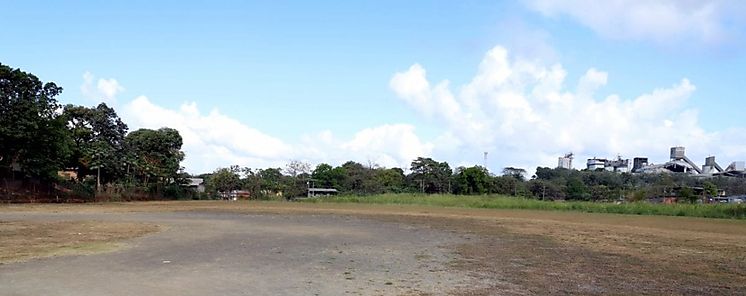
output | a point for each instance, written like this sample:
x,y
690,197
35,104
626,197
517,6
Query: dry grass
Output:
x,y
21,241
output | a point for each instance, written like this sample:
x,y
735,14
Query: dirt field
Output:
x,y
332,249
25,240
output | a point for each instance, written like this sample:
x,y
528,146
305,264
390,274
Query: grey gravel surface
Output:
x,y
203,253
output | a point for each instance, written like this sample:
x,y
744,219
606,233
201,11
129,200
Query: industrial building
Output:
x,y
678,163
613,165
565,162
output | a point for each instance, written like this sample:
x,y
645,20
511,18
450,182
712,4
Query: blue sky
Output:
x,y
260,83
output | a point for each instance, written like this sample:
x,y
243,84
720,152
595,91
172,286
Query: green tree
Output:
x,y
576,189
710,189
517,173
98,134
271,179
250,182
157,153
511,182
326,176
600,192
391,180
223,180
33,138
544,173
687,194
430,176
471,180
356,177
545,190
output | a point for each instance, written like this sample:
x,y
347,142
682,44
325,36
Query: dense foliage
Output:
x,y
33,138
39,138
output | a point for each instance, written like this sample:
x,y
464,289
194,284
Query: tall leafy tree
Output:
x,y
272,179
33,138
576,189
430,176
326,176
356,176
98,134
223,180
545,190
391,180
471,180
157,153
517,173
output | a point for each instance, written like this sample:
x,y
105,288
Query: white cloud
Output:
x,y
105,90
520,111
660,21
388,145
210,140
216,140
109,88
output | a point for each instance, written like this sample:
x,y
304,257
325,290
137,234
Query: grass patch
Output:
x,y
504,202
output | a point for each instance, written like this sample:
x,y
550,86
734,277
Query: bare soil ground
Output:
x,y
518,252
24,240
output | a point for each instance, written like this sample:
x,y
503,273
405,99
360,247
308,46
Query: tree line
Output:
x,y
429,176
39,138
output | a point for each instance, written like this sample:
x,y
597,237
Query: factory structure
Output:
x,y
678,163
565,162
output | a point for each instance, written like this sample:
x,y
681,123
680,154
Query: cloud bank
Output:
x,y
214,140
523,114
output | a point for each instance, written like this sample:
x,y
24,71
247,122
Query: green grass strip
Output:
x,y
722,211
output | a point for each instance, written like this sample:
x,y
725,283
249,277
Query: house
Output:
x,y
196,184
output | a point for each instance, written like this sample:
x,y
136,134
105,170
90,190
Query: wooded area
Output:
x,y
432,177
48,150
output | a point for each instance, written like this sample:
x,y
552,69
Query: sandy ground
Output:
x,y
331,249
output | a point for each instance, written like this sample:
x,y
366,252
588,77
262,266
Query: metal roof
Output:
x,y
322,189
195,181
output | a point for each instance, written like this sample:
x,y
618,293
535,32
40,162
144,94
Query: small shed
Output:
x,y
313,192
196,184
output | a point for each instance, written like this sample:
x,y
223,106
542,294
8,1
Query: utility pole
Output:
x,y
98,179
543,191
